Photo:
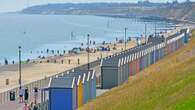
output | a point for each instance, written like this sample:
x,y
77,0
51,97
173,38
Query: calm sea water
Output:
x,y
37,33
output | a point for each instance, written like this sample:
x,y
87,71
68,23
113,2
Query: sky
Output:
x,y
16,5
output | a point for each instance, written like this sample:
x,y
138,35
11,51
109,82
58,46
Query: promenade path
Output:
x,y
15,105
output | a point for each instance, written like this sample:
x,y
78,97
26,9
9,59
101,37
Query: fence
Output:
x,y
5,96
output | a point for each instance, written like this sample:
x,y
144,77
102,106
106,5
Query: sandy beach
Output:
x,y
36,71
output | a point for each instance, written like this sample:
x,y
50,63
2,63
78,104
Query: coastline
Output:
x,y
39,68
36,71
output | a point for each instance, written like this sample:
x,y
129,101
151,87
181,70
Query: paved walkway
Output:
x,y
15,105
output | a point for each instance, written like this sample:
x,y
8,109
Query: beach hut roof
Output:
x,y
175,35
111,62
62,82
93,75
134,52
89,76
119,63
84,78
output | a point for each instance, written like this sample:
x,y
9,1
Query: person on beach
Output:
x,y
52,51
94,42
47,51
58,52
78,60
116,39
21,94
13,62
6,61
62,61
26,107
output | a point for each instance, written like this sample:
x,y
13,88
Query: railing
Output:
x,y
5,96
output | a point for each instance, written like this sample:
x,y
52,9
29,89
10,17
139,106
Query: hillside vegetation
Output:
x,y
166,85
183,11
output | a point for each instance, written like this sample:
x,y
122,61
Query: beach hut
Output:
x,y
126,65
79,87
93,86
160,51
148,57
122,70
141,60
86,96
143,56
152,56
137,62
62,94
186,35
131,65
80,91
92,82
86,82
157,52
144,59
111,72
115,70
125,68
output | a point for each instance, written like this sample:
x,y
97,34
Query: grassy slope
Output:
x,y
167,85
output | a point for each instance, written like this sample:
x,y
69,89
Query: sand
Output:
x,y
36,71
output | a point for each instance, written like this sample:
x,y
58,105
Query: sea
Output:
x,y
38,33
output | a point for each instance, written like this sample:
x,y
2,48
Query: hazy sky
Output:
x,y
14,5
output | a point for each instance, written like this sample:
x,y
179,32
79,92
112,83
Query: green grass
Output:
x,y
187,104
167,85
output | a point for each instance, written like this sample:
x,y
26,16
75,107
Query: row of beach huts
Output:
x,y
116,69
71,90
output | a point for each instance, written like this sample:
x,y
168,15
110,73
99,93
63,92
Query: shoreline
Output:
x,y
36,71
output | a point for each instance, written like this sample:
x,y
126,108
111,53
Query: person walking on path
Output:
x,y
26,95
26,107
31,106
35,107
21,94
36,94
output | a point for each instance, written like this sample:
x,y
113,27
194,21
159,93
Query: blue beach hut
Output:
x,y
62,94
